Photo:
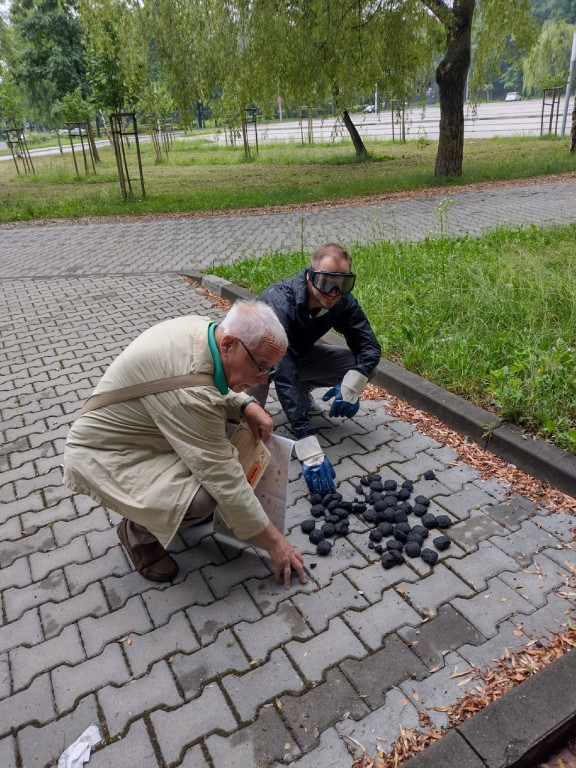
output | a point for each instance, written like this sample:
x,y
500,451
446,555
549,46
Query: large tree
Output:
x,y
548,63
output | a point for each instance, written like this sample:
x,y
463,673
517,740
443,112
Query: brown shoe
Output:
x,y
150,560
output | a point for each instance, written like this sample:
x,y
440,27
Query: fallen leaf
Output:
x,y
278,703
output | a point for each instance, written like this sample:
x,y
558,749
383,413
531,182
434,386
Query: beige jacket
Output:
x,y
146,458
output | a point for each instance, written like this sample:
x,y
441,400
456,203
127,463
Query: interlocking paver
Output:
x,y
26,630
79,576
162,603
441,586
479,566
524,543
180,727
260,637
535,581
33,704
68,530
165,642
325,650
462,503
18,600
210,619
27,663
97,632
55,616
381,618
509,638
8,752
37,543
476,528
15,575
319,607
488,608
555,616
134,749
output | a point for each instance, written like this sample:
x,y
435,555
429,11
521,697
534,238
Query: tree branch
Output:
x,y
441,10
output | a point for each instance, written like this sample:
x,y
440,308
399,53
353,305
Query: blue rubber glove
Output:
x,y
317,470
341,407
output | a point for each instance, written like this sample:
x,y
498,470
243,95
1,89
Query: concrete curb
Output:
x,y
538,458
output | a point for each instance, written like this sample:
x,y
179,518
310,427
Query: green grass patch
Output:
x,y
200,175
491,318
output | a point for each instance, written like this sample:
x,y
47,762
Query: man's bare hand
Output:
x,y
283,554
259,421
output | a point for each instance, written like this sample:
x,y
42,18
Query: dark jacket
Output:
x,y
289,300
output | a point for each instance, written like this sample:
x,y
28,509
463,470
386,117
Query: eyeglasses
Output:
x,y
326,282
261,371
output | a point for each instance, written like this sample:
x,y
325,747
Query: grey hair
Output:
x,y
253,321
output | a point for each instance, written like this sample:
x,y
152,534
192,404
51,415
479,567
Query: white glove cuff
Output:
x,y
308,451
352,386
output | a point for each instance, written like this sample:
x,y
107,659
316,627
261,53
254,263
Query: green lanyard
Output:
x,y
219,377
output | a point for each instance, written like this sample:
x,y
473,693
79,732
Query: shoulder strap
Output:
x,y
146,388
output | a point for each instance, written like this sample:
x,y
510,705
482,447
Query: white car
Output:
x,y
513,96
369,109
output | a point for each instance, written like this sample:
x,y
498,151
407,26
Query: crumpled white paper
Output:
x,y
78,752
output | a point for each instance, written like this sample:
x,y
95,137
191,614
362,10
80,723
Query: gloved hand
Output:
x,y
317,470
346,395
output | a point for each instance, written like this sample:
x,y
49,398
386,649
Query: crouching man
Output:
x,y
160,456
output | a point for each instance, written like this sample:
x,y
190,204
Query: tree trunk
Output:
x,y
451,78
573,132
354,135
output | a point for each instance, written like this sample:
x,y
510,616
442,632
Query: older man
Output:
x,y
163,459
308,306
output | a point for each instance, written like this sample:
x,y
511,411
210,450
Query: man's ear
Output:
x,y
227,343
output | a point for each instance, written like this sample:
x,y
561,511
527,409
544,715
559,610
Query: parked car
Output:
x,y
513,96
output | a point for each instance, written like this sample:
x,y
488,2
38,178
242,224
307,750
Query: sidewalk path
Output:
x,y
224,667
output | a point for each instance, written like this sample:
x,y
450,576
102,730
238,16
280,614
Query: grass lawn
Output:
x,y
491,318
201,175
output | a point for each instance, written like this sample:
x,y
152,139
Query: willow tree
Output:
x,y
548,63
501,29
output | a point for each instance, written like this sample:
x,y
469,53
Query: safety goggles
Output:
x,y
326,282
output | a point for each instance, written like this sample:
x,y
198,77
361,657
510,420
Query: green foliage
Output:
x,y
547,64
11,102
72,107
156,100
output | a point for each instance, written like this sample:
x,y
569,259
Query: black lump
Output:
x,y
412,549
409,485
428,521
421,531
385,528
429,556
429,475
441,543
424,500
315,498
443,521
390,485
419,510
328,529
323,547
316,536
317,510
307,526
400,516
375,535
393,544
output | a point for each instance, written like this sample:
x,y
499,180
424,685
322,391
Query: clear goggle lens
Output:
x,y
326,282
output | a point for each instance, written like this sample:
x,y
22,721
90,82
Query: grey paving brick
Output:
x,y
476,528
35,519
98,632
161,604
26,630
489,608
27,663
7,497
441,586
445,632
135,748
100,541
508,638
18,600
331,751
5,683
148,648
197,552
256,744
42,563
524,543
11,507
319,607
487,561
222,577
210,619
210,662
32,705
267,593
248,691
119,589
25,486
536,581
71,682
414,468
380,729
325,650
40,747
260,637
194,758
314,711
462,503
181,727
15,575
440,688
513,512
499,491
56,616
79,576
374,675
37,543
564,557
381,618
66,531
372,580
138,696
555,616
8,752
343,555
455,478
373,439
411,446
560,525
11,529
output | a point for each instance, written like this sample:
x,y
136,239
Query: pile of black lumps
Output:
x,y
385,508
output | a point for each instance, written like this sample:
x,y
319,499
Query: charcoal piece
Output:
x,y
390,485
375,535
393,544
347,505
386,528
404,527
337,496
312,565
441,543
403,494
390,500
370,545
412,549
443,521
359,489
324,547
379,506
424,500
400,516
386,517
364,481
307,526
419,510
376,485
397,556
358,508
374,496
379,549
408,484
328,529
315,498
317,510
421,531
369,516
334,504
400,536
340,513
429,475
340,529
388,561
316,536
415,537
429,556
327,499
332,519
428,521
405,506
375,477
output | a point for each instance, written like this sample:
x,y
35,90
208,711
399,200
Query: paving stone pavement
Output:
x,y
224,667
